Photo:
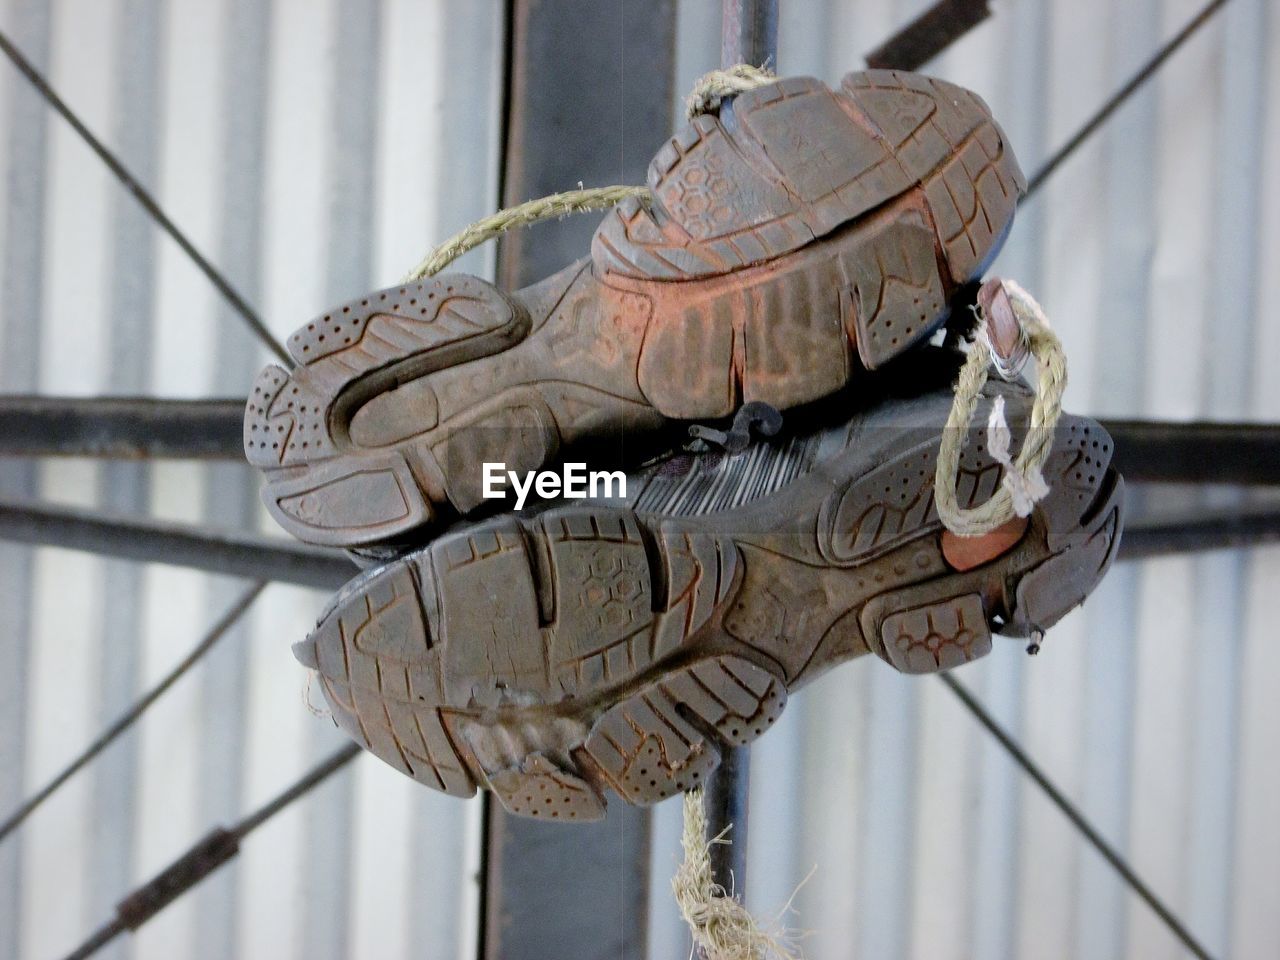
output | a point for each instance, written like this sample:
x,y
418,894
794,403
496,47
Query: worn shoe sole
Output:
x,y
756,274
591,648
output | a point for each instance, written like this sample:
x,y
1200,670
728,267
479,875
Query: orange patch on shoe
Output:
x,y
965,553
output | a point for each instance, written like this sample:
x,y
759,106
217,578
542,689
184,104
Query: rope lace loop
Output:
x,y
521,215
1023,484
708,93
711,89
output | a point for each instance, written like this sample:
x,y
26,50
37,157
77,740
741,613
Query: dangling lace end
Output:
x,y
1037,640
1026,489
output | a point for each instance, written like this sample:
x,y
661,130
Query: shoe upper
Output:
x,y
787,163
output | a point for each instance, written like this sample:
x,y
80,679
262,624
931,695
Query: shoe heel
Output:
x,y
376,658
341,467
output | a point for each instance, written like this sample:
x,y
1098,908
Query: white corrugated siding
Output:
x,y
314,148
1151,250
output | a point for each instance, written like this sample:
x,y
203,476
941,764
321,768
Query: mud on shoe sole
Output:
x,y
327,434
595,649
759,272
568,675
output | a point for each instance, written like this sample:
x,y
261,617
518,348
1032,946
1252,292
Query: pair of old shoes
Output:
x,y
800,250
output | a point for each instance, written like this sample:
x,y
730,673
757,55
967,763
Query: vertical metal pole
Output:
x,y
749,34
726,800
590,94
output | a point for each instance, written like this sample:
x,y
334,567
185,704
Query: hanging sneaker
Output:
x,y
619,647
794,240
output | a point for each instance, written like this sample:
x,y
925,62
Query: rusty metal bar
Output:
x,y
207,855
127,428
231,553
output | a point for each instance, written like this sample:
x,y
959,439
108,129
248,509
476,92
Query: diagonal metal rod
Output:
x,y
130,716
144,197
1120,96
929,34
210,853
1072,813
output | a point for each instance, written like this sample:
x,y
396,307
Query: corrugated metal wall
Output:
x,y
1151,251
314,148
